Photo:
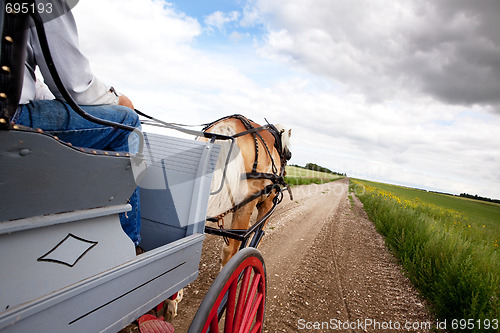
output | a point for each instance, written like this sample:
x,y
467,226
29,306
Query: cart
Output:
x,y
65,263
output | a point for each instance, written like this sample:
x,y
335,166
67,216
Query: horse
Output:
x,y
257,162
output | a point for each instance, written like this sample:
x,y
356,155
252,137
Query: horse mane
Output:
x,y
234,190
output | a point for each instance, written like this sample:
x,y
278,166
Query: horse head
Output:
x,y
285,134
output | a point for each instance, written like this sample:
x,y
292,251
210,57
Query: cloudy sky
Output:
x,y
404,92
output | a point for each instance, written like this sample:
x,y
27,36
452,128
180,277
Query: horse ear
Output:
x,y
290,132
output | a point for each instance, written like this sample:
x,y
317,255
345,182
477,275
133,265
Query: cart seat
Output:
x,y
40,175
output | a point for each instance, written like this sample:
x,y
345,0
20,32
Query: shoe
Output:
x,y
151,324
139,250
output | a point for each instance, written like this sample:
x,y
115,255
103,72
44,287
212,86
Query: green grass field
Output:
x,y
479,212
447,245
299,176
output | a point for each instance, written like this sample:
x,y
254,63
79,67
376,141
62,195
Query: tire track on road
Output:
x,y
325,261
289,290
345,277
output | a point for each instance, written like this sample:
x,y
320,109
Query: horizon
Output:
x,y
461,194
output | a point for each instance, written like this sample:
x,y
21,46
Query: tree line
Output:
x,y
477,197
316,167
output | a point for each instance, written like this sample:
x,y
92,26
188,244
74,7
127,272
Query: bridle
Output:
x,y
277,177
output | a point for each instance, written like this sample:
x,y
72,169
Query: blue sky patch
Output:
x,y
220,20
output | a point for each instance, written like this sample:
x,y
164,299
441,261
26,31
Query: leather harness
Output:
x,y
276,177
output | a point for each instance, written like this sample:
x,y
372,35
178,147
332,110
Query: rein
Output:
x,y
277,179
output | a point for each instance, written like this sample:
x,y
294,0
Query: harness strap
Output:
x,y
264,175
278,144
277,179
266,190
250,131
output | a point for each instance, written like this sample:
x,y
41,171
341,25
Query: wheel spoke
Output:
x,y
257,327
214,325
248,306
253,312
228,328
241,298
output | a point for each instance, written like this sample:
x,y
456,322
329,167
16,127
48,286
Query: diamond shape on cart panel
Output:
x,y
69,251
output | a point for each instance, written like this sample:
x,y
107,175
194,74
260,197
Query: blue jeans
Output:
x,y
59,119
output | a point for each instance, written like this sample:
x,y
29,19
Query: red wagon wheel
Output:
x,y
236,300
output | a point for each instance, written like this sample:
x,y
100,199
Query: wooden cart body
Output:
x,y
75,270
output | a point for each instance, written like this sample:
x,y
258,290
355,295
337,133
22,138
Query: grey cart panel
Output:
x,y
39,261
76,271
40,175
173,191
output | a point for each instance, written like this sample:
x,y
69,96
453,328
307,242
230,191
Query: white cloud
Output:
x,y
219,19
145,49
447,49
324,65
235,36
251,16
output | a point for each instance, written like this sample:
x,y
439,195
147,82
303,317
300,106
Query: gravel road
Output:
x,y
328,270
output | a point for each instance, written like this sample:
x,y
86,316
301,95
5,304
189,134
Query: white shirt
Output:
x,y
73,67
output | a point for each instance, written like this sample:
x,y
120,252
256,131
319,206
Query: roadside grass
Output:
x,y
479,212
447,245
298,176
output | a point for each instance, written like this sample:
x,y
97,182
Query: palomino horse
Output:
x,y
257,161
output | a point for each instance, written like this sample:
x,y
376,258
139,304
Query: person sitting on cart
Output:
x,y
45,110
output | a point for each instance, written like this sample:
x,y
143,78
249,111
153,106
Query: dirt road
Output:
x,y
327,270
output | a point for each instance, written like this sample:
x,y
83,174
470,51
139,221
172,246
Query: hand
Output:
x,y
125,101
